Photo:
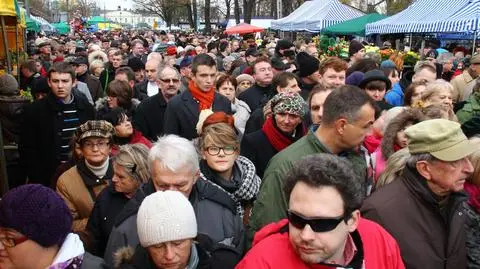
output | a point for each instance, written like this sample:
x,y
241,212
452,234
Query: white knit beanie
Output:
x,y
165,216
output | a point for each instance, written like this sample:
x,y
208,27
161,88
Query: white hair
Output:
x,y
174,153
155,55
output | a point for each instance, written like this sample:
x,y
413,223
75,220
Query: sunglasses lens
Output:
x,y
317,225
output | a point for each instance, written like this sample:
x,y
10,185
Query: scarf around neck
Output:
x,y
278,139
205,99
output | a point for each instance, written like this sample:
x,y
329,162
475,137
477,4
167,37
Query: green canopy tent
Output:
x,y
32,25
96,20
62,27
353,27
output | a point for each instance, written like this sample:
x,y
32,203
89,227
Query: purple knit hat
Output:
x,y
38,213
354,78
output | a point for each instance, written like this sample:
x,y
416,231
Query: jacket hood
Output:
x,y
123,255
71,252
409,116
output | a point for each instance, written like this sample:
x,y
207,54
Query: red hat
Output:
x,y
171,51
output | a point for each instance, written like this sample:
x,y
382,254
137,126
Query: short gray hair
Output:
x,y
445,57
415,158
163,67
174,153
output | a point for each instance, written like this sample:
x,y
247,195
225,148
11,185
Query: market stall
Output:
x,y
316,16
353,27
243,28
431,16
12,35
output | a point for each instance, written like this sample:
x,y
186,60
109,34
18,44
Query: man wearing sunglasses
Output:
x,y
149,115
347,118
323,228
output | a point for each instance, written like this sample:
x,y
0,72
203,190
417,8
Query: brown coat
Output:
x,y
428,238
79,190
459,84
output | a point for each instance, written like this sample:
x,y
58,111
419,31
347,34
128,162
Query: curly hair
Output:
x,y
320,170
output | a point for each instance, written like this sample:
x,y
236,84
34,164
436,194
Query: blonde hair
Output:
x,y
394,168
219,134
95,65
475,159
434,87
134,159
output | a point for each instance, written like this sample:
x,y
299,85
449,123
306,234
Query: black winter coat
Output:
x,y
40,133
257,96
256,147
150,115
140,90
182,114
108,205
11,110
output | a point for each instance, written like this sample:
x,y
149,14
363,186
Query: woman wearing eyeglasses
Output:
x,y
222,164
80,185
35,225
130,166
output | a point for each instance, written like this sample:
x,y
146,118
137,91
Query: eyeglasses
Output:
x,y
100,145
214,151
12,242
318,225
171,80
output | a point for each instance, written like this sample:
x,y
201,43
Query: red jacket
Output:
x,y
137,138
272,249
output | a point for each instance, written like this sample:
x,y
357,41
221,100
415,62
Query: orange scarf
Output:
x,y
205,99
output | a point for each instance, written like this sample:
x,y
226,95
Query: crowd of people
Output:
x,y
167,150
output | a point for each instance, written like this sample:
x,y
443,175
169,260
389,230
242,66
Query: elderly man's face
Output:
x,y
164,179
445,177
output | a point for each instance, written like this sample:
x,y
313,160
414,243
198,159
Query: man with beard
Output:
x,y
348,116
149,115
323,227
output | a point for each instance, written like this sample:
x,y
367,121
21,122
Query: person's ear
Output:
x,y
424,170
353,221
340,125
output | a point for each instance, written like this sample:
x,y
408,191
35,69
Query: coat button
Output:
x,y
59,114
460,213
98,180
105,218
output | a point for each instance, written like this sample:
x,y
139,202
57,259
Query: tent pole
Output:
x,y
474,41
5,42
18,52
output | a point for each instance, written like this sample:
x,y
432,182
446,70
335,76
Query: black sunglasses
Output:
x,y
318,225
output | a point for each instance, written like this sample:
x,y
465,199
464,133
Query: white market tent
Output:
x,y
285,23
316,16
44,24
431,16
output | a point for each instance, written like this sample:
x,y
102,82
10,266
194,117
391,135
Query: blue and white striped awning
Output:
x,y
317,15
431,16
284,23
333,13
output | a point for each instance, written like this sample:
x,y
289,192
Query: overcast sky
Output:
x,y
113,4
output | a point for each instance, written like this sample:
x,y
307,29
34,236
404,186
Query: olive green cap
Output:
x,y
442,138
